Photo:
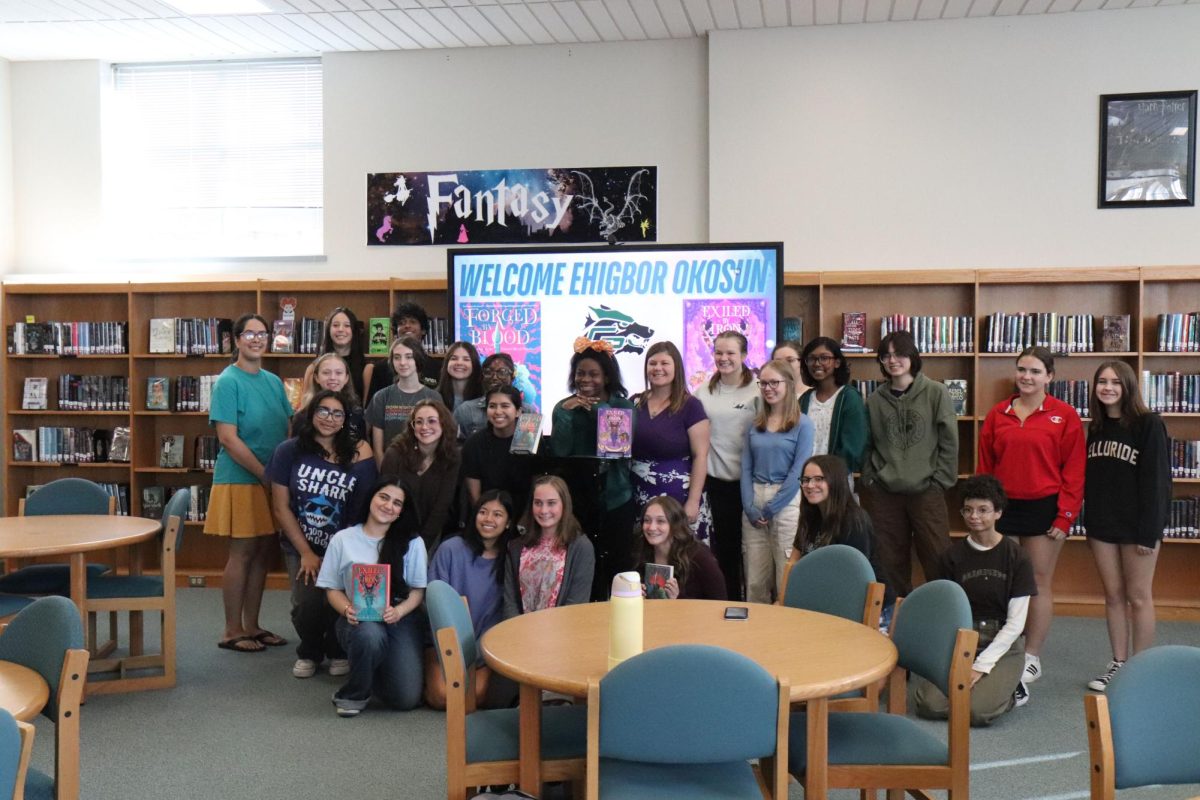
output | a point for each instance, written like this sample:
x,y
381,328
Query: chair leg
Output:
x,y
135,632
895,794
867,794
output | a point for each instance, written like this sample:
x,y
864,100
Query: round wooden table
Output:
x,y
23,692
74,535
559,649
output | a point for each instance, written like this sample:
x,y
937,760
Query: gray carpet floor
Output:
x,y
240,726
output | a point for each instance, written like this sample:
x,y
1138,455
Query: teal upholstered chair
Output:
x,y
683,722
933,634
838,580
482,746
63,496
11,604
1143,730
47,637
16,747
137,594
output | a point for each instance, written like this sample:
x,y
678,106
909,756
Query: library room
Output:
x,y
347,343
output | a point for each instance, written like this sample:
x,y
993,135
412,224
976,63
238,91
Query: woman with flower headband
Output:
x,y
595,383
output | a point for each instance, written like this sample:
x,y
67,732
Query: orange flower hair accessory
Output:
x,y
583,343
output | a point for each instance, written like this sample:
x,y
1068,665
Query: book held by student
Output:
x,y
372,587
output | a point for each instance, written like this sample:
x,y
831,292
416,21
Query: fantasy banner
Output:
x,y
513,206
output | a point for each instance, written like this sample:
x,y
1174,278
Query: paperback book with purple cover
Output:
x,y
705,319
614,432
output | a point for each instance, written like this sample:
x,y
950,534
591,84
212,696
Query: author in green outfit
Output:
x,y
595,383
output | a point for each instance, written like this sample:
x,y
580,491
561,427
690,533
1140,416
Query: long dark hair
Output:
x,y
405,442
399,534
608,365
344,446
474,387
474,541
356,359
743,346
683,543
818,528
841,373
1133,407
679,391
239,328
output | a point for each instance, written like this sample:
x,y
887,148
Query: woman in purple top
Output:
x,y
670,439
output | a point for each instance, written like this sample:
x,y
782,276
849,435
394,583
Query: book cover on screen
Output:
x,y
513,328
372,587
528,435
854,331
378,337
705,319
657,576
614,432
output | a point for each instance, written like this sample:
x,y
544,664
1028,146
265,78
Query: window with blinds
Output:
x,y
214,159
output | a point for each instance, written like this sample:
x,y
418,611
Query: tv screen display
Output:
x,y
533,303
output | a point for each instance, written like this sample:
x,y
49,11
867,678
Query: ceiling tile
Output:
x,y
449,18
725,14
579,23
700,16
601,20
503,22
356,22
627,21
435,28
650,19
775,13
553,22
852,11
827,12
803,12
878,11
388,28
525,18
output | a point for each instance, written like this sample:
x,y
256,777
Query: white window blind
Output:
x,y
215,159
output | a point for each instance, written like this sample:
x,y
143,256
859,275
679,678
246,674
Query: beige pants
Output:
x,y
765,551
991,698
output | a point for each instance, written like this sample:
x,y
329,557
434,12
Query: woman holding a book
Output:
x,y
319,483
474,565
779,442
729,400
837,411
251,413
1034,444
342,337
671,439
552,563
673,564
391,407
1127,495
460,378
595,384
487,462
427,457
330,371
384,652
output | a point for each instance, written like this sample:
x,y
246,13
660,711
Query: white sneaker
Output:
x,y
1033,669
1021,695
347,712
339,667
1100,683
304,668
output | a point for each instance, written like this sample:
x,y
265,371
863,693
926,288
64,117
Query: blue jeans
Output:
x,y
385,660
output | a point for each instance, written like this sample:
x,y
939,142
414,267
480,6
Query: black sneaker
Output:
x,y
1100,683
1021,695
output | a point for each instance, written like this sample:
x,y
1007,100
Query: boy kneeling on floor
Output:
x,y
998,579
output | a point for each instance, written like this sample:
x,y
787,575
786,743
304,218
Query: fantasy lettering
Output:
x,y
494,206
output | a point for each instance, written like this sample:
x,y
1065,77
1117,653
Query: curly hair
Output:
x,y
683,542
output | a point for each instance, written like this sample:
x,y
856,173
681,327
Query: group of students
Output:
x,y
729,486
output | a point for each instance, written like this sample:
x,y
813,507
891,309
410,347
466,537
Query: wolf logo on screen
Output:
x,y
623,332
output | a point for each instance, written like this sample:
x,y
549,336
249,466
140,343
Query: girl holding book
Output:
x,y
837,411
460,378
778,443
552,563
319,482
486,461
671,439
595,384
729,400
667,541
1034,444
342,337
391,407
330,371
1127,494
385,657
474,564
427,457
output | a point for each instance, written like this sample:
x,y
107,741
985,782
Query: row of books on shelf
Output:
x,y
63,445
1171,392
1060,333
118,490
79,393
68,338
1183,520
1179,332
1073,393
957,387
204,451
1185,458
192,336
185,393
301,335
934,334
155,499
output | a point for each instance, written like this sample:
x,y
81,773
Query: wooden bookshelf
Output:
x,y
819,298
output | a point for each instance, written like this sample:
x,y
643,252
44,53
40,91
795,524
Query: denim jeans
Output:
x,y
385,661
312,616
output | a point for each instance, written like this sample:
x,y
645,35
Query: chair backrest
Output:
x,y
688,704
67,496
39,637
832,580
447,610
925,628
1154,708
15,747
177,507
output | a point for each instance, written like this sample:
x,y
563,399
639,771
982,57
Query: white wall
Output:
x,y
940,144
6,176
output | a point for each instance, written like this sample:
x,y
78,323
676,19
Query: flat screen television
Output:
x,y
533,303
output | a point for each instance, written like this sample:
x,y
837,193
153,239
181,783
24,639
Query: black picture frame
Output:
x,y
1147,150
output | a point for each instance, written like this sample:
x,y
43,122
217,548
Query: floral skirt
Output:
x,y
670,477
